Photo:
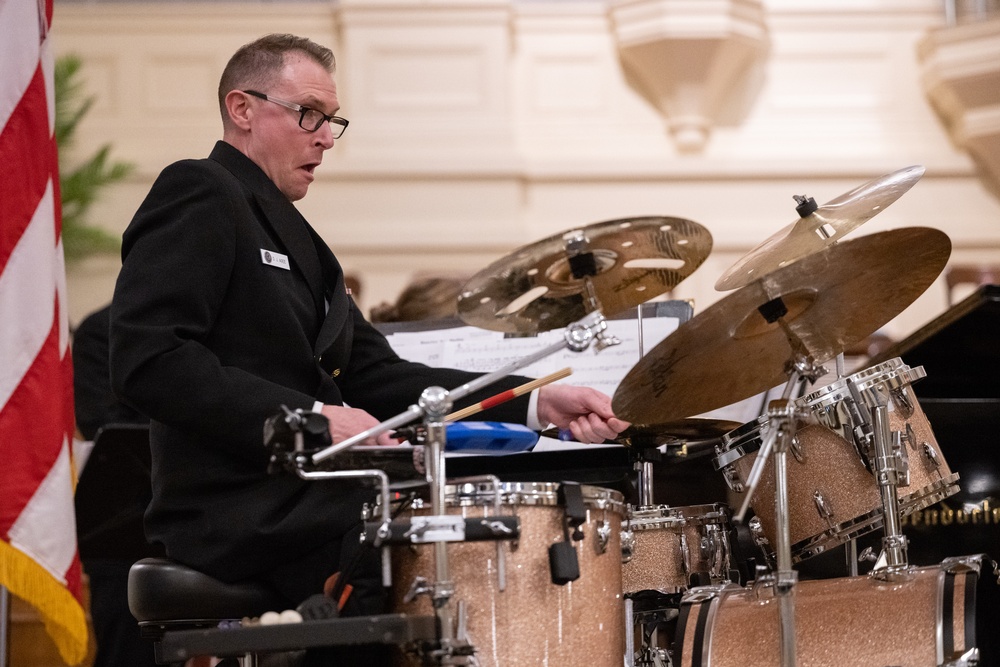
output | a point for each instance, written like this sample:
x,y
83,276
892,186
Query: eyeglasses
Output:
x,y
310,120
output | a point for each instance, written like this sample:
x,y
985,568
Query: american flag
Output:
x,y
38,557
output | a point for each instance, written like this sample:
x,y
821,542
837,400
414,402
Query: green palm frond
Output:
x,y
81,185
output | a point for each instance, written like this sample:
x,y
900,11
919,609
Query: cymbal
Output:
x,y
730,351
823,227
534,289
675,433
679,432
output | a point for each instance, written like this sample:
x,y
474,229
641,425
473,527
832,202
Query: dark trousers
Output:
x,y
361,567
116,631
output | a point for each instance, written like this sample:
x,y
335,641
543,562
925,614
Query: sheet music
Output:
x,y
473,349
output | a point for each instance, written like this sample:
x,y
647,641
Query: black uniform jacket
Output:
x,y
228,306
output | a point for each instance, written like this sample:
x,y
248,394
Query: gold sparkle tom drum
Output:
x,y
832,497
664,547
526,619
922,617
889,383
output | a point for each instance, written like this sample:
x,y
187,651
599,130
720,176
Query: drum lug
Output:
x,y
603,536
931,454
823,507
733,479
628,545
796,448
903,459
901,400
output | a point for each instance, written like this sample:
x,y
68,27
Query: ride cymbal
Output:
x,y
540,286
739,346
819,228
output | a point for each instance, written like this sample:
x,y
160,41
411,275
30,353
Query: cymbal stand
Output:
x,y
781,417
644,458
782,414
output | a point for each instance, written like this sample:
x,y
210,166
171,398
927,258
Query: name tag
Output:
x,y
272,258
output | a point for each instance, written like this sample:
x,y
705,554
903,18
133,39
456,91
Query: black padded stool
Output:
x,y
164,595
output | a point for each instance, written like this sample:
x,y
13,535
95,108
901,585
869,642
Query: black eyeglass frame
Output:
x,y
338,125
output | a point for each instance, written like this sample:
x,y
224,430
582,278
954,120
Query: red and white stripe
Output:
x,y
38,555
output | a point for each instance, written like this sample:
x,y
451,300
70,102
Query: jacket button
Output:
x,y
335,372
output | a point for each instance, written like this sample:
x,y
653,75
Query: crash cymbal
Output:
x,y
731,351
534,289
675,433
822,227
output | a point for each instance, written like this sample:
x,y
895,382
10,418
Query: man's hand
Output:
x,y
345,422
584,411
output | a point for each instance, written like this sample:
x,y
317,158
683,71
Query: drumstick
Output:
x,y
505,396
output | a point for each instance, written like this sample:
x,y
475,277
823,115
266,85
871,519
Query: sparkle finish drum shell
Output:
x,y
832,497
924,617
890,383
663,546
532,621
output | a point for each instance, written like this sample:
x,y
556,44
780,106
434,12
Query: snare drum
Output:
x,y
528,620
888,383
832,497
922,617
664,547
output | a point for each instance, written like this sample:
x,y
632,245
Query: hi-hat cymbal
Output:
x,y
534,289
730,351
823,227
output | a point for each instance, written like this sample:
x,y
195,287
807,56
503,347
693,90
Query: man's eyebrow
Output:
x,y
315,103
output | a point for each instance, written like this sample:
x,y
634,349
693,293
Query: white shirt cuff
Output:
x,y
318,406
532,421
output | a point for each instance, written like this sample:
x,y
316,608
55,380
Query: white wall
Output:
x,y
478,126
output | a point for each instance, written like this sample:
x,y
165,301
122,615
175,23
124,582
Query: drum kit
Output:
x,y
536,573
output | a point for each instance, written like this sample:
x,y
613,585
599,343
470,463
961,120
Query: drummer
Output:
x,y
229,306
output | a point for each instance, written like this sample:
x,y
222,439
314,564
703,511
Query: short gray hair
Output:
x,y
255,65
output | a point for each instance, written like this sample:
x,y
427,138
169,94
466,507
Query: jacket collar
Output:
x,y
282,216
314,258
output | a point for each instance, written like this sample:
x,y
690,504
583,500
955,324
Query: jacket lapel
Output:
x,y
284,219
336,316
293,231
306,250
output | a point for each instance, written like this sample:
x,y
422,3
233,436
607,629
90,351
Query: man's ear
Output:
x,y
238,106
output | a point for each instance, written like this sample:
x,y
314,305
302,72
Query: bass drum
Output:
x,y
923,617
515,615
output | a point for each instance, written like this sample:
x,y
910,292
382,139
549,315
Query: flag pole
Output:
x,y
4,625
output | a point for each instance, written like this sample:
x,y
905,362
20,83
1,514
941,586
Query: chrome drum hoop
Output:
x,y
473,494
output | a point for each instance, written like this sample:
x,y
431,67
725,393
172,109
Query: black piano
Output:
x,y
960,350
